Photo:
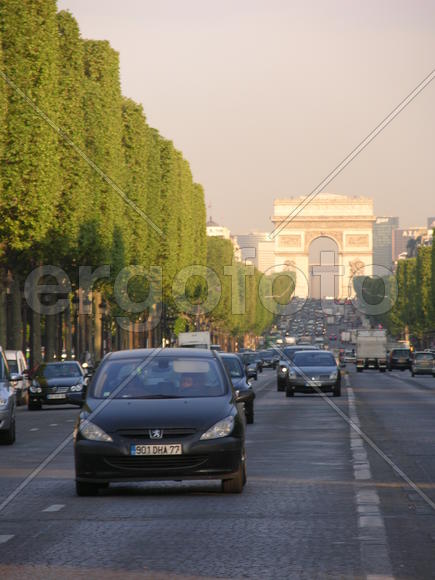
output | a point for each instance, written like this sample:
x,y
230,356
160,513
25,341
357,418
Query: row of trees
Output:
x,y
84,180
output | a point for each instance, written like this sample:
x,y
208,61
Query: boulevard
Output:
x,y
319,501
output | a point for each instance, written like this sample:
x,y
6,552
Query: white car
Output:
x,y
19,375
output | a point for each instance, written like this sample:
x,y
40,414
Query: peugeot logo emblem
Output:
x,y
156,433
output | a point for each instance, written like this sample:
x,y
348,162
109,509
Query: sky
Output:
x,y
265,97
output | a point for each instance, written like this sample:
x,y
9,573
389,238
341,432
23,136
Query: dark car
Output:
x,y
160,414
250,362
57,383
269,359
283,367
314,370
399,358
245,392
423,363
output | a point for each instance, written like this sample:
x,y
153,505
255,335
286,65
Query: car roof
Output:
x,y
174,352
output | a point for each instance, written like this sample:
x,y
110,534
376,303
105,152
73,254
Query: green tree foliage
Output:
x,y
30,167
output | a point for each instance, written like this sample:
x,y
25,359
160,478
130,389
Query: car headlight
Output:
x,y
283,369
221,429
77,388
35,388
92,432
3,402
333,376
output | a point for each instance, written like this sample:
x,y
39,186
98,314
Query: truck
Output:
x,y
371,349
345,336
194,340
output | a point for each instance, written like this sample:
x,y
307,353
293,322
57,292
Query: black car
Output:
x,y
313,370
283,367
160,414
244,390
57,383
399,358
250,364
269,359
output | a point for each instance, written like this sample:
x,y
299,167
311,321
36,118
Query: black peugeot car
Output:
x,y
57,383
244,390
160,414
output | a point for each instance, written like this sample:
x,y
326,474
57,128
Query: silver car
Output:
x,y
19,375
7,404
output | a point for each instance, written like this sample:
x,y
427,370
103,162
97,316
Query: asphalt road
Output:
x,y
320,501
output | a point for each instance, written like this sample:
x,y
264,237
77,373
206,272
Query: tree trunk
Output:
x,y
16,320
50,337
35,338
97,325
3,311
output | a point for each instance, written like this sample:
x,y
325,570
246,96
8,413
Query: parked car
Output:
x,y
399,358
7,403
284,364
19,375
160,414
314,370
244,390
57,383
423,363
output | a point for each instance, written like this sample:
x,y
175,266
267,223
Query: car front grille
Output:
x,y
51,390
156,463
145,433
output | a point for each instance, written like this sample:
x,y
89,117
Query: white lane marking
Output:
x,y
56,507
70,420
5,538
34,429
53,424
371,524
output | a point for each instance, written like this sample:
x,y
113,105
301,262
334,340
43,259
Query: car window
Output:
x,y
59,370
314,359
4,375
13,366
233,366
177,377
424,356
401,352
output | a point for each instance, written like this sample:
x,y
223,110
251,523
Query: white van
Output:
x,y
19,375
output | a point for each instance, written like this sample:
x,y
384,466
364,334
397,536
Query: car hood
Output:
x,y
240,383
198,413
310,371
59,381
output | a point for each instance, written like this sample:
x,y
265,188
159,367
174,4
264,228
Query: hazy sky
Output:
x,y
265,97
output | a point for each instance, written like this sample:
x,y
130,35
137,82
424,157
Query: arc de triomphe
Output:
x,y
346,222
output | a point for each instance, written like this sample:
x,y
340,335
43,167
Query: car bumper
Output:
x,y
424,371
44,400
305,387
98,462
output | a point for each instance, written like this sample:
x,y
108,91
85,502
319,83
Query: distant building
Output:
x,y
383,229
217,231
248,244
401,237
430,223
266,256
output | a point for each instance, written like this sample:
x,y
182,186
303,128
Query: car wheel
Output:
x,y
390,369
250,415
382,370
236,484
359,370
8,437
84,489
337,391
280,385
289,391
32,406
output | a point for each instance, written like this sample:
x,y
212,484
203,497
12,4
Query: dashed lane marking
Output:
x,y
54,425
5,538
371,525
34,429
56,507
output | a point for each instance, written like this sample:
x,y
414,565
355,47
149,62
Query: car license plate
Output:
x,y
56,396
167,449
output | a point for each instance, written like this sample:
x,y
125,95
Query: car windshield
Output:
x,y
267,355
13,365
314,359
161,377
233,367
401,352
249,357
424,356
59,370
